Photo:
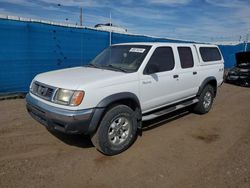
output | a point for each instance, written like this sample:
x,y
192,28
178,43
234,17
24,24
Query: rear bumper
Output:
x,y
67,121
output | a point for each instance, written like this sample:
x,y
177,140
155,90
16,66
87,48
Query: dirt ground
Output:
x,y
178,150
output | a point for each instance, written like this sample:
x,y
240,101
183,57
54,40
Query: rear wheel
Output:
x,y
117,130
206,99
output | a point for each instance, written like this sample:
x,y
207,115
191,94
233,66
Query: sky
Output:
x,y
198,20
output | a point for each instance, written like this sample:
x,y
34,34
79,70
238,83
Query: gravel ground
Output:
x,y
178,150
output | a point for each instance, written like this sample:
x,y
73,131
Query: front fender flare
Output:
x,y
116,97
104,103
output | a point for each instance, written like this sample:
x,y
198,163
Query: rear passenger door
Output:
x,y
158,85
188,73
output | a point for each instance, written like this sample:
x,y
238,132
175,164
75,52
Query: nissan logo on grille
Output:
x,y
42,90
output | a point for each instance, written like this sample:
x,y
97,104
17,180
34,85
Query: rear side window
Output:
x,y
161,60
186,57
210,54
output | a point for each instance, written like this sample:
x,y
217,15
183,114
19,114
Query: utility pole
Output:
x,y
110,32
246,41
81,19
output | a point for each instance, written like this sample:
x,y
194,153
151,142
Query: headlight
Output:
x,y
234,70
33,86
68,97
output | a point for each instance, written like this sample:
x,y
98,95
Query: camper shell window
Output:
x,y
210,54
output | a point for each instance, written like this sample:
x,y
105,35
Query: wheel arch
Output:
x,y
125,98
208,81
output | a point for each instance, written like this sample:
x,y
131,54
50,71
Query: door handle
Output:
x,y
194,73
176,76
146,82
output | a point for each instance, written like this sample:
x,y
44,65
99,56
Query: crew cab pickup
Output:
x,y
123,86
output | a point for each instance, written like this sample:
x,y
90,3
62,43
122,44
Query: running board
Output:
x,y
169,110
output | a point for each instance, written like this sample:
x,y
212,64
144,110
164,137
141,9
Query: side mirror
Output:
x,y
151,69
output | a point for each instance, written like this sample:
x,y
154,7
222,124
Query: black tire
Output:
x,y
102,139
203,107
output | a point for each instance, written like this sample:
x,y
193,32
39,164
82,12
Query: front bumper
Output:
x,y
67,121
238,79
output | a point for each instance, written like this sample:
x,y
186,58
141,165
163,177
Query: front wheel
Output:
x,y
206,99
117,130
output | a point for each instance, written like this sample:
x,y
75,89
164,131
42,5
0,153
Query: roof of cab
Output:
x,y
165,43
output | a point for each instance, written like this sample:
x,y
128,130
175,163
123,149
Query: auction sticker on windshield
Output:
x,y
137,50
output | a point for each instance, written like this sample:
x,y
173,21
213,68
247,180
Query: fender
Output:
x,y
104,103
116,97
205,82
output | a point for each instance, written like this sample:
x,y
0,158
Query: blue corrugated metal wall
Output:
x,y
228,53
29,48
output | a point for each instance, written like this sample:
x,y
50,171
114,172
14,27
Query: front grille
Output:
x,y
43,91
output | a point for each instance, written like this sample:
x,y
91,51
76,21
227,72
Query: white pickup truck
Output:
x,y
123,86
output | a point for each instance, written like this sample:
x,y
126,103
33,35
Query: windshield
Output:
x,y
125,58
243,59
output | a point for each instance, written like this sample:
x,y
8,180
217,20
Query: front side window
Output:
x,y
126,58
210,54
161,60
186,57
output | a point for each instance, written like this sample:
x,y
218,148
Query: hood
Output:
x,y
72,78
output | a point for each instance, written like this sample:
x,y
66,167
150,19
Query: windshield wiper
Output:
x,y
105,66
116,68
92,65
